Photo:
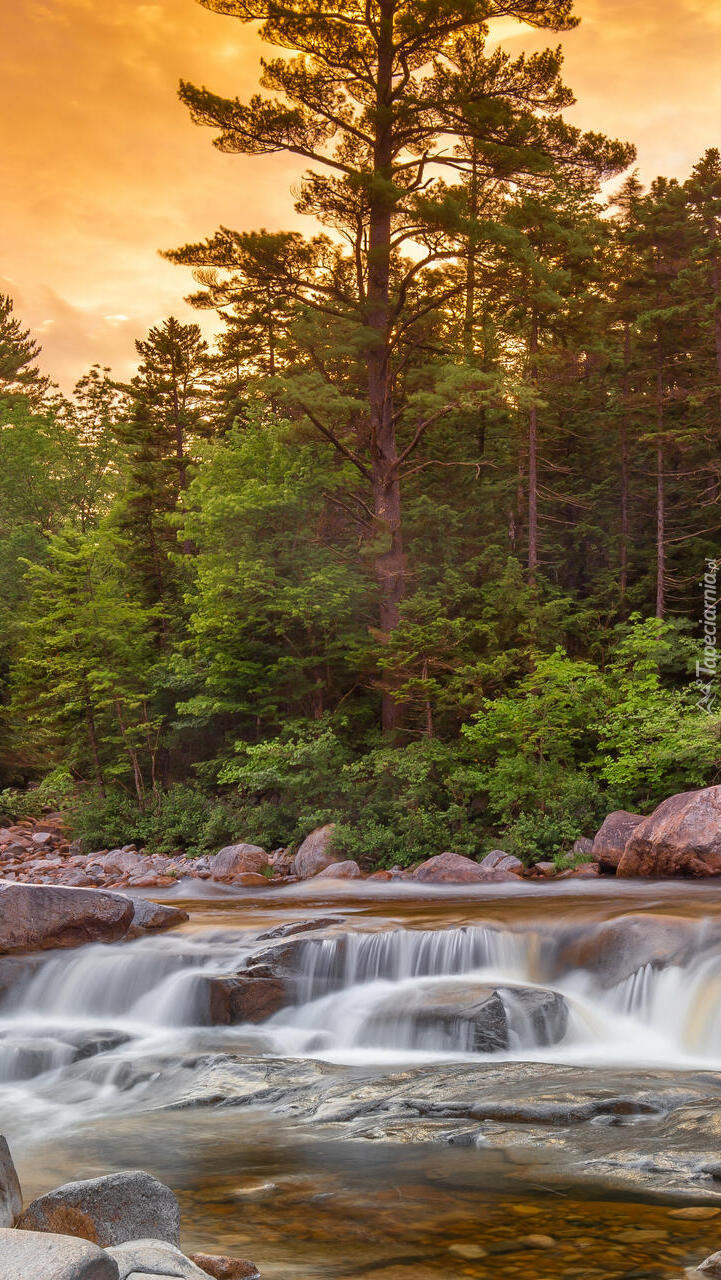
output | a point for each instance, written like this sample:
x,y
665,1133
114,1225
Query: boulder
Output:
x,y
468,1016
150,917
221,1268
341,871
11,1200
300,926
315,853
235,859
582,846
454,868
543,870
612,837
109,1211
497,860
138,1259
682,837
617,948
26,1255
39,917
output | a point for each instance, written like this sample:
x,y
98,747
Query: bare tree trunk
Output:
x,y
533,460
660,493
390,565
625,529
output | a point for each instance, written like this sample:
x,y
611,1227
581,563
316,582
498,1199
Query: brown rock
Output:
x,y
682,837
225,1268
497,860
612,837
454,868
341,871
36,918
236,859
245,998
315,853
584,871
543,870
381,875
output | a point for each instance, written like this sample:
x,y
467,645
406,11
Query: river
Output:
x,y
369,1127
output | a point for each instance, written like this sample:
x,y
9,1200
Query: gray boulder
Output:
x,y
467,1016
36,917
151,917
140,1258
315,853
237,859
497,860
109,1211
29,1255
11,1200
342,871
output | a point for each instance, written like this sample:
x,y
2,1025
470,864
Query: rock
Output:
x,y
710,1268
11,1200
470,1016
315,853
109,1211
341,871
617,948
454,868
221,1268
244,999
544,870
582,846
125,862
26,1255
612,837
42,837
235,859
248,880
682,837
38,917
300,926
150,917
497,860
138,1259
696,1213
584,871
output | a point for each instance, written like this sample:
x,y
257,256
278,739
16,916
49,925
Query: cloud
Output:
x,y
100,165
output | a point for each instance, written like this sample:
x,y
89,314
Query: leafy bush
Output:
x,y
180,818
52,793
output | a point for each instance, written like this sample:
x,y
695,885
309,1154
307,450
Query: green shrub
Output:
x,y
182,817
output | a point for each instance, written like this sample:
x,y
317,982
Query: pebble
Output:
x,y
468,1251
538,1242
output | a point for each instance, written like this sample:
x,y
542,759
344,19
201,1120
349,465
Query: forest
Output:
x,y
422,541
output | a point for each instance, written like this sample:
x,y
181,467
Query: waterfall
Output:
x,y
102,1027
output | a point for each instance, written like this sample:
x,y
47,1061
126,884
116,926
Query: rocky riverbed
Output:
x,y
480,1082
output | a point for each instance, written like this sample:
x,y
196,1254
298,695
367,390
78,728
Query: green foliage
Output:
x,y
181,818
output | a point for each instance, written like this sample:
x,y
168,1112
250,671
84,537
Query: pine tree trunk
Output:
x,y
93,739
660,495
625,529
390,563
533,461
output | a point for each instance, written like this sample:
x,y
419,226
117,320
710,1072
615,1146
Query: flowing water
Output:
x,y
479,1083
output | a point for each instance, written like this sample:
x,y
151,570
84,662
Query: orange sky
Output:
x,y
100,165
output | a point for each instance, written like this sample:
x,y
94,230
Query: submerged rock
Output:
x,y
39,917
109,1210
617,948
222,1268
244,998
29,1255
